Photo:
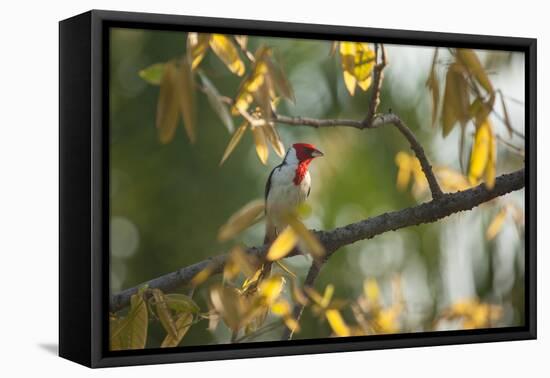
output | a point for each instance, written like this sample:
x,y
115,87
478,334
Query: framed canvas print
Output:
x,y
234,188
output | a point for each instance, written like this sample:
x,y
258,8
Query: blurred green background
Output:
x,y
168,201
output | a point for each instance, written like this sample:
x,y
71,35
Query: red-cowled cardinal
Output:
x,y
287,187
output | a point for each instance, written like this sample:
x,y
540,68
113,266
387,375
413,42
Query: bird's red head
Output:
x,y
306,151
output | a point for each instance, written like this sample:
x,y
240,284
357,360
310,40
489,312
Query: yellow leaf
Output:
x,y
168,104
470,59
450,180
491,170
235,139
403,162
337,323
357,63
281,308
254,81
202,276
312,244
227,52
455,99
182,324
187,99
371,291
350,81
327,296
387,320
271,288
197,45
241,220
261,143
496,224
282,246
482,159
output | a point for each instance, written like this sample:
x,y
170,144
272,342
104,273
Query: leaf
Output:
x,y
245,263
281,82
357,60
187,99
490,170
455,99
337,323
496,224
273,138
261,144
371,291
224,48
327,296
470,59
202,276
153,74
242,41
241,220
433,85
403,162
313,246
482,158
182,324
271,288
163,313
235,139
168,102
181,303
282,246
254,81
214,98
197,45
131,331
230,305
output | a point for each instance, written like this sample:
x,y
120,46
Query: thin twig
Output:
x,y
378,121
312,275
378,77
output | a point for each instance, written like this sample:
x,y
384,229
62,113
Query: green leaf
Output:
x,y
131,332
214,98
455,99
153,74
183,323
181,303
164,313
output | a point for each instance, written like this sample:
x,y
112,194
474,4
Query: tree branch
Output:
x,y
378,121
428,212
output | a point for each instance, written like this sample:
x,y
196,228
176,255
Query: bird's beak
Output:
x,y
316,153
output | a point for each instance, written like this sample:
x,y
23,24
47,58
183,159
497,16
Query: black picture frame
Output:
x,y
84,188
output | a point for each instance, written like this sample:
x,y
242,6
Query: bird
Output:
x,y
287,187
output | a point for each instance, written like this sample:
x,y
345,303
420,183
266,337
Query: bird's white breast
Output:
x,y
284,195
